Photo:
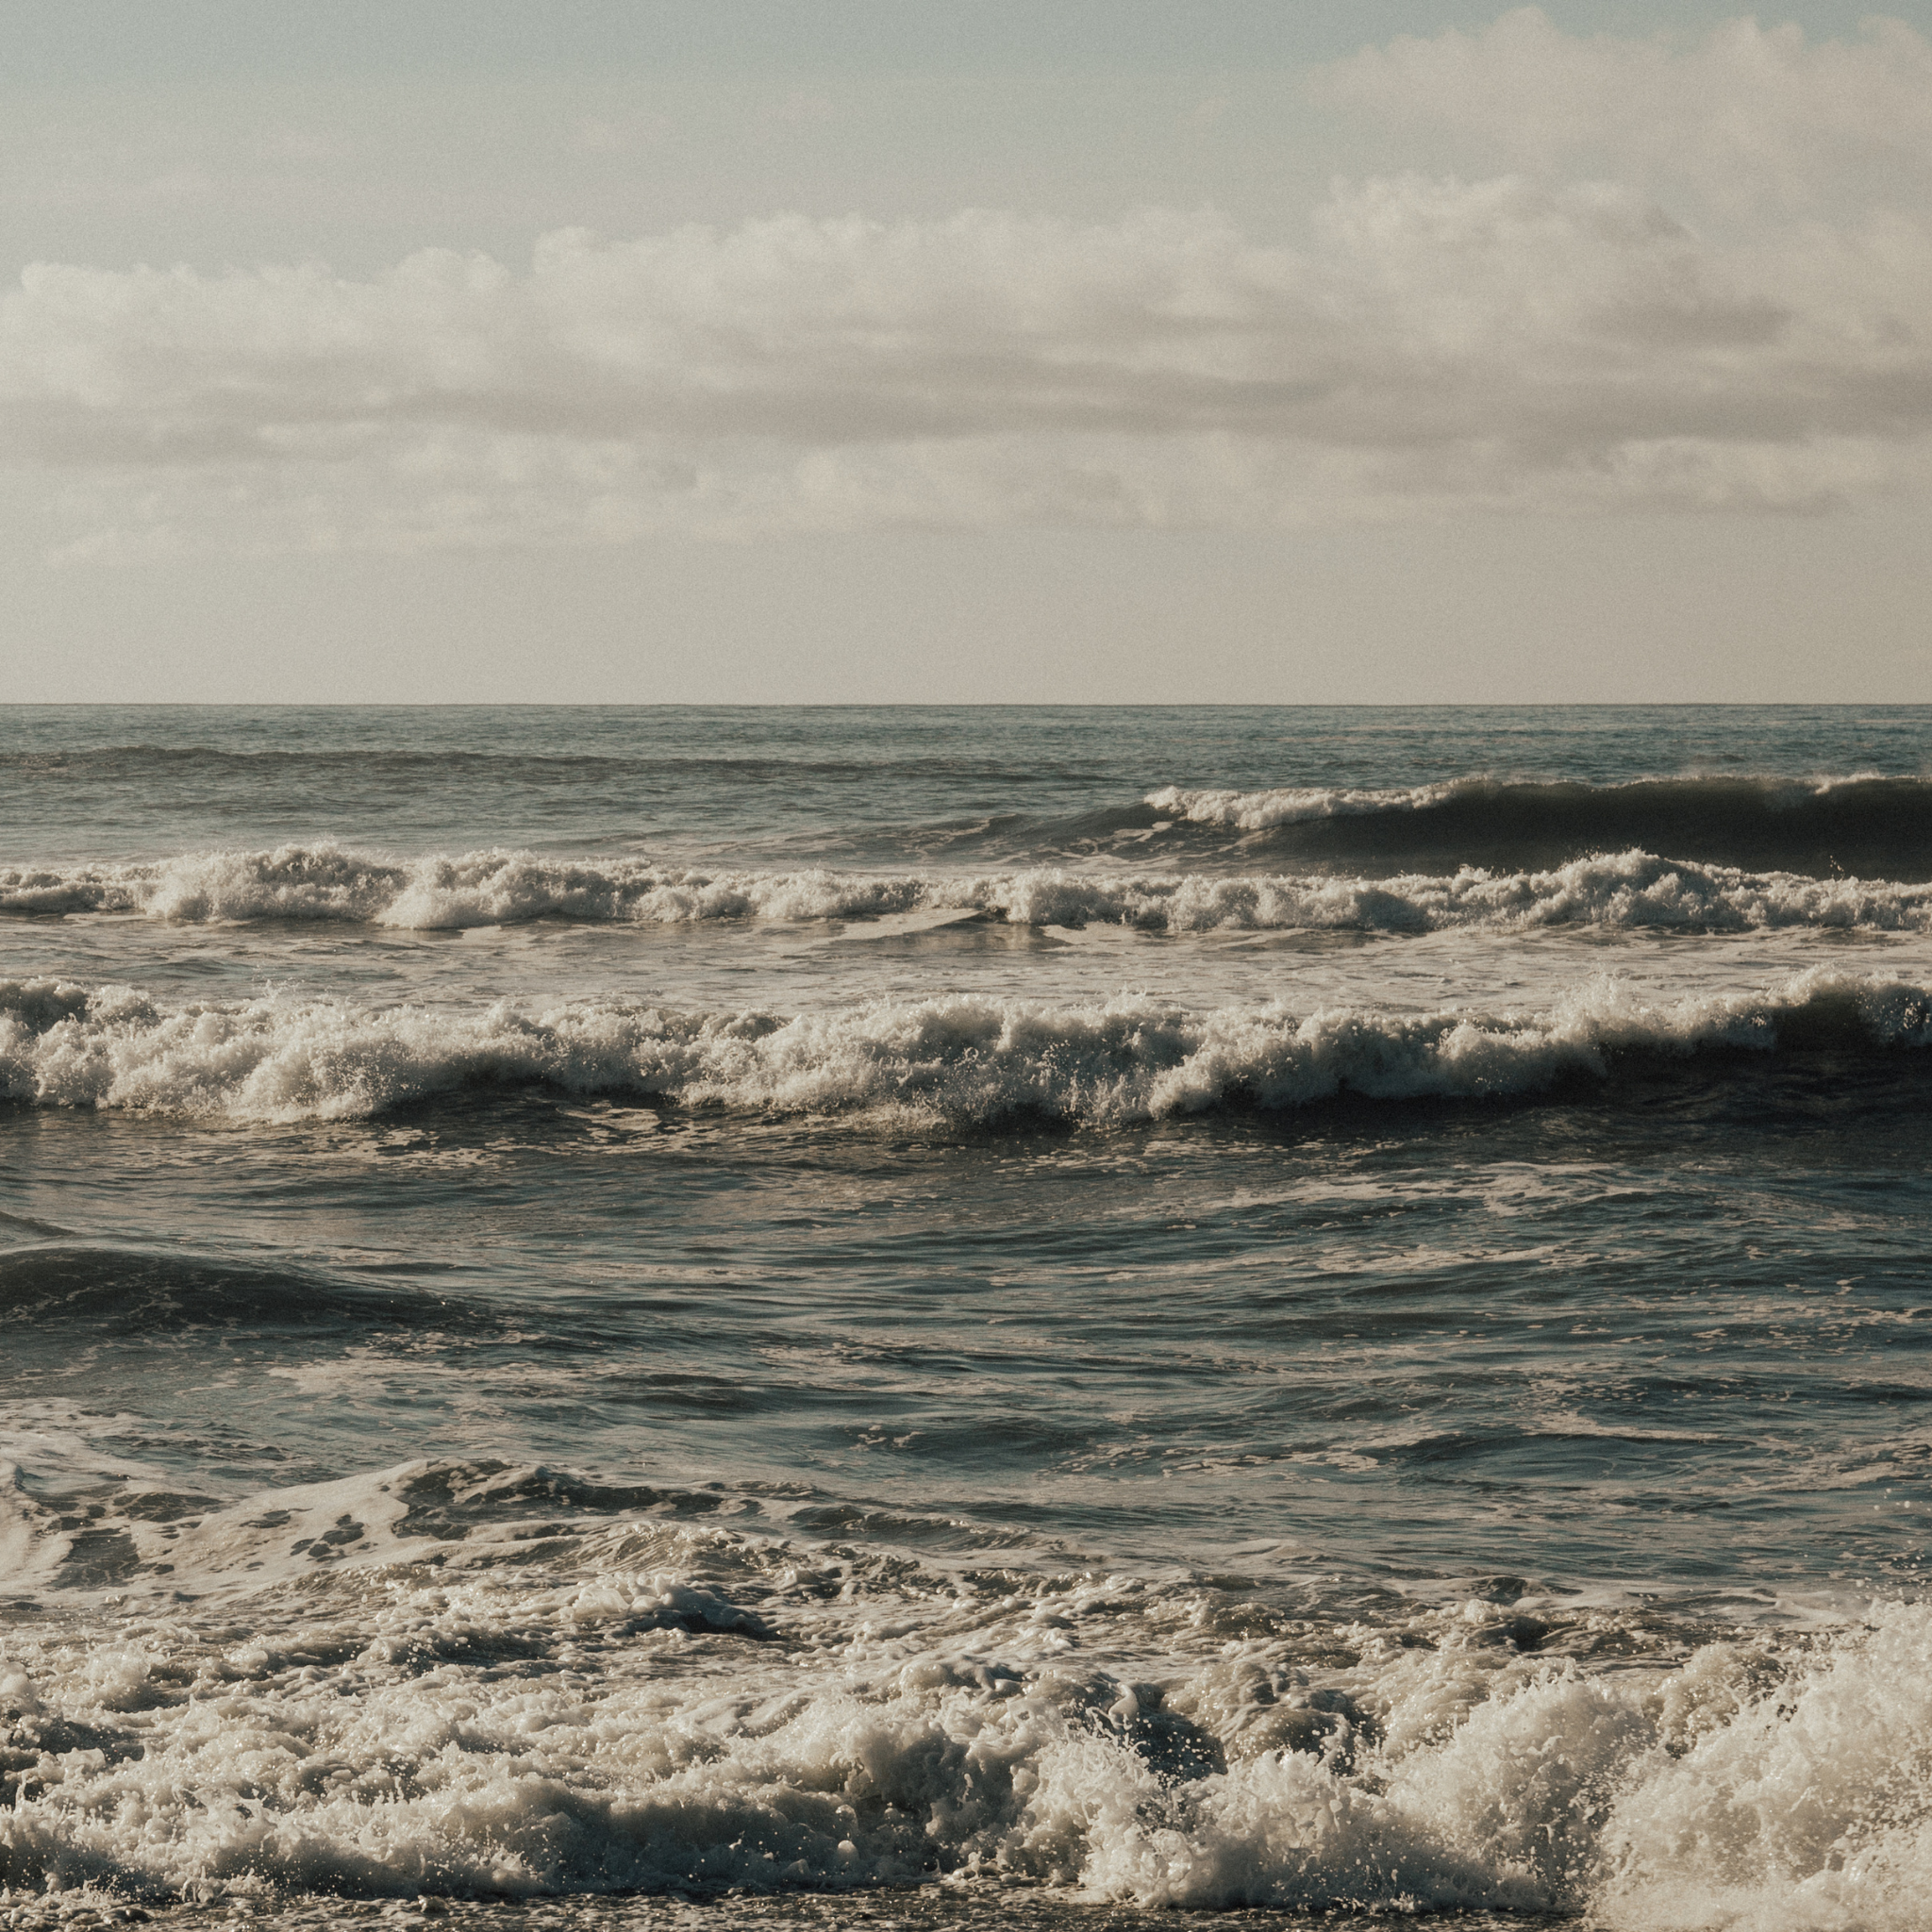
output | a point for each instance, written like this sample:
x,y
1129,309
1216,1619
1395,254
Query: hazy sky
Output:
x,y
1095,350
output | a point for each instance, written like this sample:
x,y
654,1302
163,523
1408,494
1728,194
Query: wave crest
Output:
x,y
962,1059
1864,822
1628,889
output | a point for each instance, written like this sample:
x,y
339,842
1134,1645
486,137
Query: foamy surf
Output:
x,y
961,1058
1632,891
479,1681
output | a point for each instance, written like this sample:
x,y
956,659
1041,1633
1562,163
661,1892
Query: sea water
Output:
x,y
887,1315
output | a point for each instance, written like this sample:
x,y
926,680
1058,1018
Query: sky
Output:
x,y
780,351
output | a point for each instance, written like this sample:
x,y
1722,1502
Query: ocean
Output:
x,y
939,1317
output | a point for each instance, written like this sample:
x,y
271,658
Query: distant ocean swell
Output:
x,y
1632,890
146,763
961,1058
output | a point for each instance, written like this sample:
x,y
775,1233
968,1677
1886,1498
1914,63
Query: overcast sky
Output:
x,y
783,350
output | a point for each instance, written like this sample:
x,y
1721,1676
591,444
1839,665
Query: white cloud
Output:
x,y
1518,342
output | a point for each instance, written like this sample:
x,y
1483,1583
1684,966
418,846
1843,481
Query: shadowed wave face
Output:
x,y
135,1291
1874,827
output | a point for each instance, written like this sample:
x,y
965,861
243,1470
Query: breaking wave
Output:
x,y
480,1681
961,1058
1864,822
1626,891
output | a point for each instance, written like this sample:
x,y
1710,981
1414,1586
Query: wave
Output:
x,y
481,1681
1863,822
959,1059
1633,890
67,1284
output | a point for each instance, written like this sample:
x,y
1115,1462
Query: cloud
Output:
x,y
1521,343
1745,114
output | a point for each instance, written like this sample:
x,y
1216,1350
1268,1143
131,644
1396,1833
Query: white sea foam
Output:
x,y
961,1058
1634,889
1295,805
1264,811
443,1678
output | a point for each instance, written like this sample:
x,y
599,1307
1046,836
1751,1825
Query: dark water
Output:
x,y
1293,1310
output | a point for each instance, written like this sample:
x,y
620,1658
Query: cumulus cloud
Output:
x,y
1518,342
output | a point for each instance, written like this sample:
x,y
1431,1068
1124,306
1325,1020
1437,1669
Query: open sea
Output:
x,y
1018,1317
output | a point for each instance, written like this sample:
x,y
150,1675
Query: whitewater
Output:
x,y
1031,1318
973,1061
1632,889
